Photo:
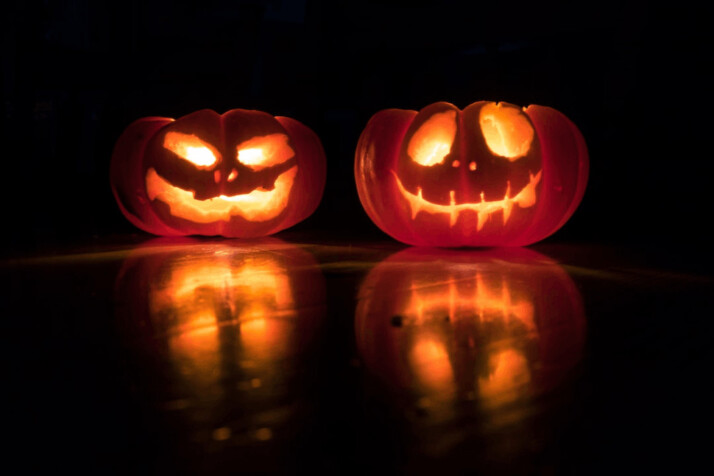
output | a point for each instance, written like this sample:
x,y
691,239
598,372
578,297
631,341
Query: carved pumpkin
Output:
x,y
229,330
490,175
241,174
493,327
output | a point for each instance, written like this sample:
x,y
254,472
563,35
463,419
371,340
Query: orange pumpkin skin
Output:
x,y
241,174
492,174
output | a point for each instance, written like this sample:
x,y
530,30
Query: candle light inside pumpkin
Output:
x,y
492,174
241,174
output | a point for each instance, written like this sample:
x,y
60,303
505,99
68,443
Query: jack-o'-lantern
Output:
x,y
488,327
490,175
241,174
228,330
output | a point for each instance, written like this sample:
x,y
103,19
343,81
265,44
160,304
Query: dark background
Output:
x,y
629,74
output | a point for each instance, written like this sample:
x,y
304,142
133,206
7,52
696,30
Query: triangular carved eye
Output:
x,y
264,151
507,131
191,148
432,142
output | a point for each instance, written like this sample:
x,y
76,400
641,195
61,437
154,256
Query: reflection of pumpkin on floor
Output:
x,y
240,174
491,326
225,325
490,175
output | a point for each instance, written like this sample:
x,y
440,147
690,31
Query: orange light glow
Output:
x,y
264,151
189,147
228,325
468,299
524,199
195,350
197,285
264,339
507,378
466,295
203,295
507,130
430,362
453,332
258,205
223,315
432,142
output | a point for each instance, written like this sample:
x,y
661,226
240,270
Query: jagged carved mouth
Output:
x,y
524,199
258,205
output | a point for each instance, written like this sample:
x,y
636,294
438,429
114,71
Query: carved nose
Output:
x,y
232,176
455,163
217,176
472,166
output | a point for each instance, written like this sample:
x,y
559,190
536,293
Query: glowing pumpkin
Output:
x,y
490,175
494,327
241,174
227,329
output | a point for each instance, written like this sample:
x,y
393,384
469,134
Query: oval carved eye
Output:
x,y
264,151
432,142
507,131
189,147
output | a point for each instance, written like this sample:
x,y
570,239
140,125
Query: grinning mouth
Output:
x,y
258,205
524,199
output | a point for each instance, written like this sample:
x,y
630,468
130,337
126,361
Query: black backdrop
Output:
x,y
629,74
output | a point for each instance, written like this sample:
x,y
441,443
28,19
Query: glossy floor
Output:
x,y
219,356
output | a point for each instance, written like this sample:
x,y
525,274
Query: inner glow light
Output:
x,y
507,131
524,199
432,142
258,205
189,147
251,156
264,151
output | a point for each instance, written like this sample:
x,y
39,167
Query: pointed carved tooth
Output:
x,y
454,215
416,204
527,197
507,208
524,198
482,217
